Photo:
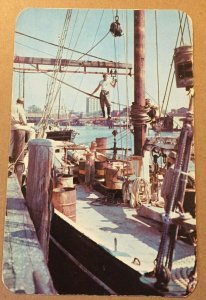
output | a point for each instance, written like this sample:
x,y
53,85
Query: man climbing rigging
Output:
x,y
104,94
151,110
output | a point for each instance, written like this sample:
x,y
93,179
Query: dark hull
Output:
x,y
64,135
69,279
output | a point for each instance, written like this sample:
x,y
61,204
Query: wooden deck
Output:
x,y
129,238
24,268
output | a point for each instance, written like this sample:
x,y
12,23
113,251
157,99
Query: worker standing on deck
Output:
x,y
167,182
19,122
105,94
90,166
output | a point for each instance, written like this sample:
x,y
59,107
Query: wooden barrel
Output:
x,y
64,200
101,144
65,180
99,168
111,178
183,60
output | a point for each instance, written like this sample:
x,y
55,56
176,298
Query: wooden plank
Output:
x,y
155,213
23,260
71,62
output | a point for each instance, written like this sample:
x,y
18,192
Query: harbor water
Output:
x,y
124,138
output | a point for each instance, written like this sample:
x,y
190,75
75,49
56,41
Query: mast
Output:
x,y
138,114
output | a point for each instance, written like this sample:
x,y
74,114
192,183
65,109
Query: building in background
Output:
x,y
92,105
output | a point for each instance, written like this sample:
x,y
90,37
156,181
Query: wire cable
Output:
x,y
56,45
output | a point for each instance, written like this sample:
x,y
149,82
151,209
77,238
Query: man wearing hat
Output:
x,y
104,94
166,185
19,122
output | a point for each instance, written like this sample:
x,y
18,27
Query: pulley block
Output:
x,y
115,28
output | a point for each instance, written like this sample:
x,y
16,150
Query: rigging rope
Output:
x,y
116,59
67,84
51,98
171,65
62,77
182,37
188,27
157,56
56,45
88,56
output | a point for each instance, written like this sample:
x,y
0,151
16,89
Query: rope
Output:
x,y
127,91
77,60
74,102
98,28
116,59
62,77
14,163
94,45
82,267
157,56
182,39
131,191
51,91
188,27
56,45
67,84
171,66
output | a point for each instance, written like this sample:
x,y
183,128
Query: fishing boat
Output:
x,y
113,238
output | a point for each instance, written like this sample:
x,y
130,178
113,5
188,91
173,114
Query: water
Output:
x,y
124,138
87,134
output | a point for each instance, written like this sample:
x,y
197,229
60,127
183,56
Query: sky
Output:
x,y
86,28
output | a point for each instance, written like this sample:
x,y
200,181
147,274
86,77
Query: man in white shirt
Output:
x,y
19,122
104,94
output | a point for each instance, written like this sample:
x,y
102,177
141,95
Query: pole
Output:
x,y
39,189
138,114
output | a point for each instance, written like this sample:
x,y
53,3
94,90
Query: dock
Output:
x,y
24,268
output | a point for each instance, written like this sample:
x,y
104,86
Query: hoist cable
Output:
x,y
182,37
74,102
115,58
165,112
63,74
67,84
97,28
189,33
63,38
171,65
23,92
50,99
157,60
20,85
126,80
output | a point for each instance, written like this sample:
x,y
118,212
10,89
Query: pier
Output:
x,y
24,267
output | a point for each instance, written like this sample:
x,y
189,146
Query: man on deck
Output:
x,y
104,94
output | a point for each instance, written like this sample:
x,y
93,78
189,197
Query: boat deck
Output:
x,y
130,238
